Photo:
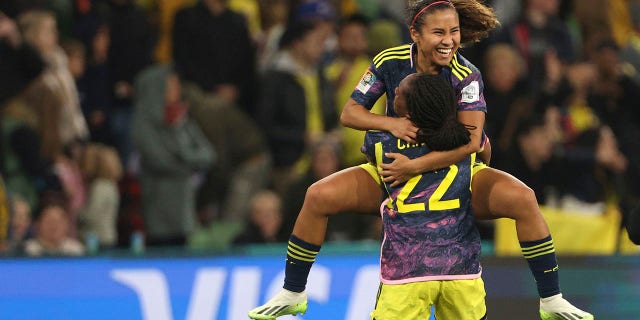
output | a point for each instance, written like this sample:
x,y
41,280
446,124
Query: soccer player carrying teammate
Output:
x,y
437,29
430,252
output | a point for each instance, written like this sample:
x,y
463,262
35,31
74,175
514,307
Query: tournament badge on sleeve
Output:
x,y
365,83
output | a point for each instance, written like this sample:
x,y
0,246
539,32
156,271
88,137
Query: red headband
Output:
x,y
427,7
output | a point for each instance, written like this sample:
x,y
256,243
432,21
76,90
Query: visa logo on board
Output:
x,y
244,293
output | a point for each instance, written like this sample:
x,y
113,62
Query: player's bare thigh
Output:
x,y
349,190
497,194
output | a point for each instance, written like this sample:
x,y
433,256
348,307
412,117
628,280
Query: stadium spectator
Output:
x,y
93,79
45,119
19,62
345,70
24,167
612,96
51,236
590,150
537,34
275,15
296,102
130,51
212,47
76,57
264,221
20,227
590,164
102,169
506,93
172,149
53,95
529,159
243,165
321,13
166,11
67,169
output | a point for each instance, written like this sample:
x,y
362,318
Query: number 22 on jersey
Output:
x,y
435,200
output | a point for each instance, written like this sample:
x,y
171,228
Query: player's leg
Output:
x,y
496,194
409,301
349,190
462,300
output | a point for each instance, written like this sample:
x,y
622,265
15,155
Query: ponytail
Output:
x,y
451,135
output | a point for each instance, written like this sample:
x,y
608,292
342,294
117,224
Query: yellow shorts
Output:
x,y
477,166
372,170
452,300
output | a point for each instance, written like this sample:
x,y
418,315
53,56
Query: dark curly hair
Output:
x,y
432,107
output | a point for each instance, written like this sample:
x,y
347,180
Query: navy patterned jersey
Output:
x,y
392,65
429,230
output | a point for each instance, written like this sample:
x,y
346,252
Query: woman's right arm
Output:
x,y
356,116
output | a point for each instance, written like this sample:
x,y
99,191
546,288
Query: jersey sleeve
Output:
x,y
370,87
470,93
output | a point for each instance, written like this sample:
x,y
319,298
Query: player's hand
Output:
x,y
398,171
404,129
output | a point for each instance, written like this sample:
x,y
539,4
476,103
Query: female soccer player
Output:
x,y
437,29
430,253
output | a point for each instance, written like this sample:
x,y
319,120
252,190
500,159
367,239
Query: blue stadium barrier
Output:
x,y
342,286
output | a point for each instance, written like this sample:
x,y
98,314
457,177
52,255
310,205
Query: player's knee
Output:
x,y
522,199
516,200
320,197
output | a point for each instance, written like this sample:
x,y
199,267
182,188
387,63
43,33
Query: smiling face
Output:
x,y
437,38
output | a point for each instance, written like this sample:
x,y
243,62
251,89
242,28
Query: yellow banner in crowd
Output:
x,y
573,233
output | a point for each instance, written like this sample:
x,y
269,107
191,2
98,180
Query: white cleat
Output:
x,y
284,303
557,308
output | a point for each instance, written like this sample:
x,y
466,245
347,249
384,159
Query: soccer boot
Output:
x,y
284,303
557,308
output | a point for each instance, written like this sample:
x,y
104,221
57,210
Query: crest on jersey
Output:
x,y
471,93
365,83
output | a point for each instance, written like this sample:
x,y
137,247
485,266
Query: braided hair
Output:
x,y
476,19
431,105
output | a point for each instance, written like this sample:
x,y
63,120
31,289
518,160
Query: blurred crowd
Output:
x,y
200,123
